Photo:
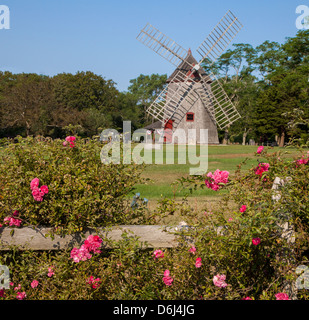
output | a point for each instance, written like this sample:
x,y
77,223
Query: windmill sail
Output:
x,y
162,44
221,36
168,103
218,104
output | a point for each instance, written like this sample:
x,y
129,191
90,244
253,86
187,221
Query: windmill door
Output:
x,y
168,130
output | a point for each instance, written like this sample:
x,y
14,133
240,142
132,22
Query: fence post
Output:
x,y
287,254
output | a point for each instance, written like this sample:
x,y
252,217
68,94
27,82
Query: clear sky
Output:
x,y
54,36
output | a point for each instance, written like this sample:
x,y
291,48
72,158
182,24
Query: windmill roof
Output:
x,y
155,125
186,65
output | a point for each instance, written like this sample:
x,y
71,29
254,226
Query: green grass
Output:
x,y
162,176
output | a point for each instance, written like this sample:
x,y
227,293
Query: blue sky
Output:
x,y
52,36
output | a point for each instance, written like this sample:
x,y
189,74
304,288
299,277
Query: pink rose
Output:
x,y
95,283
92,243
44,189
192,250
15,222
34,284
262,167
21,295
216,178
70,139
221,176
12,221
282,296
158,254
34,183
256,241
37,194
243,208
260,149
81,254
198,262
247,298
50,272
18,287
219,281
301,161
167,279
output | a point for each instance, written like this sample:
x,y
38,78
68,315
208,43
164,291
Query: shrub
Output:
x,y
72,189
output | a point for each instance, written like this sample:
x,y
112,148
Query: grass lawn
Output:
x,y
221,157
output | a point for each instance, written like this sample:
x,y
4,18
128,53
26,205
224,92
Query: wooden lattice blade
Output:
x,y
162,44
219,104
174,100
221,36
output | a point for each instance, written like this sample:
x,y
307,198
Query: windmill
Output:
x,y
193,98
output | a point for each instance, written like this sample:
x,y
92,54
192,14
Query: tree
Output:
x,y
27,103
285,86
88,99
269,57
145,89
128,110
85,90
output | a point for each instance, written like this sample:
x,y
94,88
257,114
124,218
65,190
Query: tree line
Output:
x,y
32,104
268,84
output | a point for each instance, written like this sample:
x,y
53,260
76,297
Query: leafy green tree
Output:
x,y
285,86
85,90
92,99
27,103
128,110
145,89
269,57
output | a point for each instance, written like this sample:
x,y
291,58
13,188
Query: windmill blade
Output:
x,y
162,44
206,98
219,105
221,36
174,101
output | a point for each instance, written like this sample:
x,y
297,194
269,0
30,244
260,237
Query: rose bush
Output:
x,y
68,189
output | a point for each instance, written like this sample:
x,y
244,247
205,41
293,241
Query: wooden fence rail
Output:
x,y
35,239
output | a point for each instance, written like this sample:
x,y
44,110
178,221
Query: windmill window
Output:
x,y
190,116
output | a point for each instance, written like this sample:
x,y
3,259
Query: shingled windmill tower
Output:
x,y
192,98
